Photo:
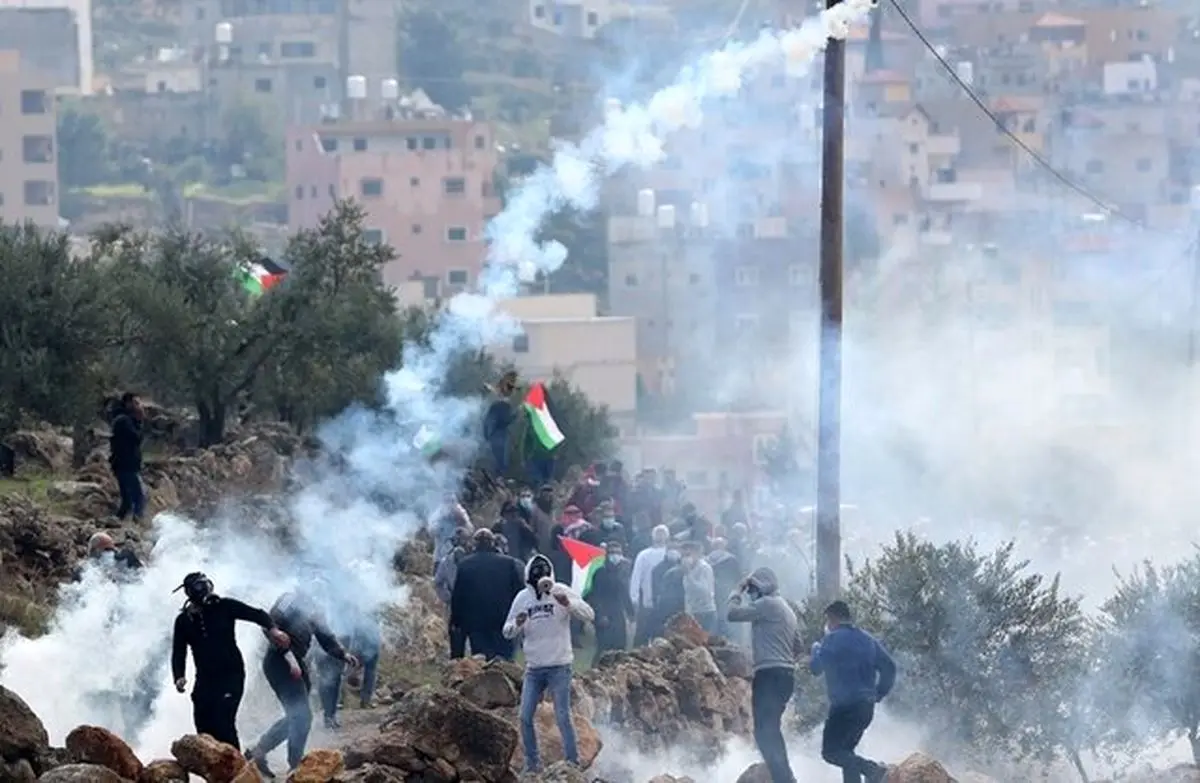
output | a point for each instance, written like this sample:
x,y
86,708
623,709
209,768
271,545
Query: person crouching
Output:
x,y
540,617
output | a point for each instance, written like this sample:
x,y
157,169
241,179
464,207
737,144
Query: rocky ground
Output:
x,y
437,721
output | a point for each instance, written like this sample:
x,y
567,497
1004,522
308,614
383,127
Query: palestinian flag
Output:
x,y
537,404
256,279
585,559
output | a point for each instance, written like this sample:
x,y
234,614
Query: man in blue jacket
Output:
x,y
858,674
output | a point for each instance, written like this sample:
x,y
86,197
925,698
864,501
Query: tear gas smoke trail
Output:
x,y
71,675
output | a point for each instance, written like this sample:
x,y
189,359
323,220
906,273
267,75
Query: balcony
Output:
x,y
954,191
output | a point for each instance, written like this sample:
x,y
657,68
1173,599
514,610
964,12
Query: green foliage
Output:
x,y
432,59
253,139
590,436
83,149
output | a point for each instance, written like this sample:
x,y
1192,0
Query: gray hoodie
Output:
x,y
774,631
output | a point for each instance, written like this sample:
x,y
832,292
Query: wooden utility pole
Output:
x,y
829,405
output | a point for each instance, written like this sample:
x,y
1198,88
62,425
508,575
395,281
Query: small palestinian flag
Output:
x,y
427,442
585,559
257,280
537,404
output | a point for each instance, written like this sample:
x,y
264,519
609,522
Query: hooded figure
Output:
x,y
540,616
775,647
206,626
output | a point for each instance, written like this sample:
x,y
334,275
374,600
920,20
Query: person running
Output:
x,y
541,616
205,625
297,614
859,674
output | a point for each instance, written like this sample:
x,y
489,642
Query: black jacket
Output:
x,y
484,589
208,629
498,419
125,443
301,620
610,592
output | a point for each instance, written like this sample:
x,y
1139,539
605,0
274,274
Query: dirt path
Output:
x,y
356,723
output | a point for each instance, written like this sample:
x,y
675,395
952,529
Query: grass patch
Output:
x,y
34,487
116,190
29,617
241,193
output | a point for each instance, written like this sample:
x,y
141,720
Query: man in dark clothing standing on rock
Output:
x,y
775,644
298,615
609,598
522,540
206,625
859,673
484,589
125,455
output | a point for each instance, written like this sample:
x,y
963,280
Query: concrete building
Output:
x,y
80,21
294,54
425,181
47,40
563,334
584,19
28,166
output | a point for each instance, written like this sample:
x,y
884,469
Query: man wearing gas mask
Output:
x,y
541,617
206,625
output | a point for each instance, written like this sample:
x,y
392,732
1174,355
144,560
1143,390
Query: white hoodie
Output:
x,y
546,634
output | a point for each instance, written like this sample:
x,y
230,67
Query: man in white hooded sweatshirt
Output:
x,y
541,616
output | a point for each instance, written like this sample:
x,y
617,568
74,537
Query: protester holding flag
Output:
x,y
609,598
543,436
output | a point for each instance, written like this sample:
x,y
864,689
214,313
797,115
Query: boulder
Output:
x,y
214,761
491,687
42,450
22,735
20,771
163,771
919,768
550,745
438,733
94,745
318,766
684,627
81,773
755,773
561,772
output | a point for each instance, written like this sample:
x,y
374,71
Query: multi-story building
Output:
x,y
425,180
28,166
564,335
295,54
39,35
583,19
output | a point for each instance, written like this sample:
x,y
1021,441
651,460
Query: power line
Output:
x,y
1036,156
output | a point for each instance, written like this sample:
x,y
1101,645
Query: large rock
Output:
x,y
755,773
562,772
82,773
22,735
94,745
42,450
318,766
373,773
163,771
20,771
919,768
493,686
214,761
438,733
550,744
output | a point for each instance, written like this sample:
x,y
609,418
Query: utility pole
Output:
x,y
829,404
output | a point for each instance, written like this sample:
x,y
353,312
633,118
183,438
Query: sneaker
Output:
x,y
260,763
333,724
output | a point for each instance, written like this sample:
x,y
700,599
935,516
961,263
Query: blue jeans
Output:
x,y
498,444
556,680
329,683
296,722
367,691
133,498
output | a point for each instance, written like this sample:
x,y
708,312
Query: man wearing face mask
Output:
x,y
609,599
859,674
610,529
670,597
641,585
699,586
206,626
775,646
122,563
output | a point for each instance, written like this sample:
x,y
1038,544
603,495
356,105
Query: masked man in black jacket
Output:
x,y
206,625
299,615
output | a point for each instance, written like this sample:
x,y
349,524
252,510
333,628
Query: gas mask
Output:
x,y
539,569
198,588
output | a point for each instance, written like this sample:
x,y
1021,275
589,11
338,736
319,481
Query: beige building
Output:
x,y
28,170
78,23
563,334
424,180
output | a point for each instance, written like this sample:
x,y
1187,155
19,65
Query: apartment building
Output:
x,y
39,38
584,19
424,179
28,168
564,335
294,54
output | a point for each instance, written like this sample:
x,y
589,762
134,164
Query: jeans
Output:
x,y
498,445
297,715
844,728
458,643
770,692
133,498
556,680
491,644
329,684
215,705
366,691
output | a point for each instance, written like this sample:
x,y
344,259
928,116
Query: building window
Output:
x,y
428,143
34,102
539,12
360,145
39,193
746,275
416,228
521,343
480,142
319,82
456,234
1144,165
593,19
312,192
558,18
456,277
371,186
333,192
329,144
414,182
38,149
299,192
373,236
454,186
298,49
631,280
262,85
412,143
1095,167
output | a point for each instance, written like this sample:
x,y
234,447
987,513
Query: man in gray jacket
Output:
x,y
775,645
